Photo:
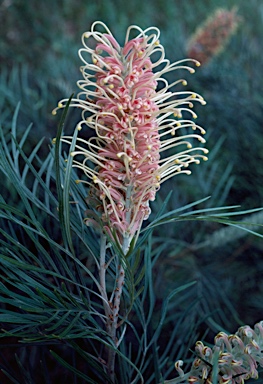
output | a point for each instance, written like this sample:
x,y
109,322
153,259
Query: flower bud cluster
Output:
x,y
236,358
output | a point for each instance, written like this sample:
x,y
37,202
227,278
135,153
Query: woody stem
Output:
x,y
102,276
114,321
118,292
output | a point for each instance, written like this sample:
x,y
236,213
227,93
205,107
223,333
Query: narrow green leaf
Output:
x,y
160,220
10,377
25,372
61,322
13,132
66,193
58,167
66,332
165,307
71,368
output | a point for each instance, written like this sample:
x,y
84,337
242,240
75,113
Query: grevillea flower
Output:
x,y
236,357
137,120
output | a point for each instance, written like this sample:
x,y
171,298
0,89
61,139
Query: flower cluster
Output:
x,y
137,119
212,36
235,356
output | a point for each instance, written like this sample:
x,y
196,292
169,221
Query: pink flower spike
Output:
x,y
137,119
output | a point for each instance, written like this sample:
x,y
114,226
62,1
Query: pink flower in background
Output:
x,y
213,35
137,120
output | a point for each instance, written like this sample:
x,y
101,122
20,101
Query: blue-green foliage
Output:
x,y
211,275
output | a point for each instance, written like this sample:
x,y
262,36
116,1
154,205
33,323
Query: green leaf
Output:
x,y
165,307
10,377
71,368
59,166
